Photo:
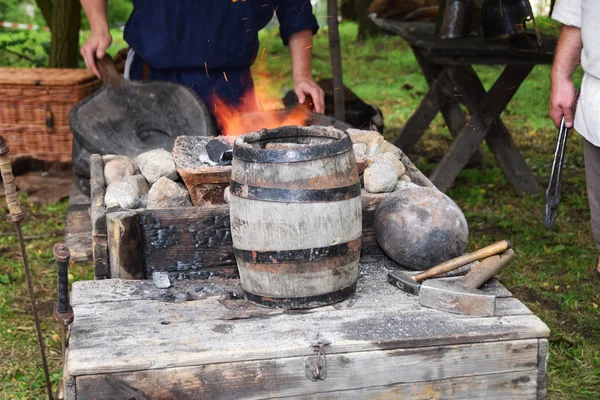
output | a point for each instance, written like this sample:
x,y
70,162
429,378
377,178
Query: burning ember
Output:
x,y
258,110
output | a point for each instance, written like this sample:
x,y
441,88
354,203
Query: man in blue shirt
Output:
x,y
208,45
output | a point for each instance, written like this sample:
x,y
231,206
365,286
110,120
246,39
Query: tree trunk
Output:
x,y
66,20
366,27
45,7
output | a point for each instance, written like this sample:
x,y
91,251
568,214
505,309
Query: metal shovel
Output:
x,y
553,191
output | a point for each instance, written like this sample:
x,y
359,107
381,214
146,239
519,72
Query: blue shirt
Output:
x,y
219,34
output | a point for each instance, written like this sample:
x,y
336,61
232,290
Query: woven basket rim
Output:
x,y
45,76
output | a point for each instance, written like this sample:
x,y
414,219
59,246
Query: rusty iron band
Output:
x,y
302,302
294,195
340,144
297,256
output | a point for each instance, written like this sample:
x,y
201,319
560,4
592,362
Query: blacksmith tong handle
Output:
x,y
554,185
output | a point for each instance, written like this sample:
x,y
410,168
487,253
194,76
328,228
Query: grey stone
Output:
x,y
380,178
360,150
155,164
118,168
420,227
391,159
370,138
143,201
387,147
127,192
168,194
161,280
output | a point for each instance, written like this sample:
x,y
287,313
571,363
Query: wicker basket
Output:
x,y
34,109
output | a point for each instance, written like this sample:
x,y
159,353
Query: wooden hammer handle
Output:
x,y
463,260
8,179
486,269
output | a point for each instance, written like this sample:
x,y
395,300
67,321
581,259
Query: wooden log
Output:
x,y
126,258
296,216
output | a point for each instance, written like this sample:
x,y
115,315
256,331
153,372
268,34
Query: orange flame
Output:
x,y
259,109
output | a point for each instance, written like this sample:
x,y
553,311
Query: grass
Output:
x,y
554,273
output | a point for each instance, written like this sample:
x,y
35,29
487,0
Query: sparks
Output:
x,y
225,75
206,68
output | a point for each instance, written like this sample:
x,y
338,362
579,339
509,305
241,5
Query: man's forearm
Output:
x,y
568,53
300,45
95,10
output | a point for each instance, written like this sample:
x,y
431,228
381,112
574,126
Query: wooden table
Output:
x,y
199,340
447,67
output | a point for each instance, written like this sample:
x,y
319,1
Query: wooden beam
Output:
x,y
470,137
499,139
336,59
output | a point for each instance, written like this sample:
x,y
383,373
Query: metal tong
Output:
x,y
553,191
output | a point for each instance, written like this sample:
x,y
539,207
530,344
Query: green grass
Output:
x,y
554,273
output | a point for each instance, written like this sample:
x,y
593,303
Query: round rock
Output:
x,y
118,168
380,177
420,227
155,164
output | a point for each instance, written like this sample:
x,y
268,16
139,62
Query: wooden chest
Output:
x,y
202,340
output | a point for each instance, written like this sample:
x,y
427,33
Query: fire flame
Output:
x,y
266,112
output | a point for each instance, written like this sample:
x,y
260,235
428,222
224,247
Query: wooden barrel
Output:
x,y
296,216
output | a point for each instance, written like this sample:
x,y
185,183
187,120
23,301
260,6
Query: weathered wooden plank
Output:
x,y
77,197
467,142
287,376
98,189
196,239
126,259
78,232
511,385
100,252
469,50
542,368
366,322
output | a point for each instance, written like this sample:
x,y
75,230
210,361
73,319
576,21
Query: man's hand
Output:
x,y
301,52
307,86
566,59
562,98
95,49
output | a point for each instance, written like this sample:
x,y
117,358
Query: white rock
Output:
x,y
161,280
168,194
227,195
380,178
360,150
127,192
118,168
156,164
370,138
405,178
391,159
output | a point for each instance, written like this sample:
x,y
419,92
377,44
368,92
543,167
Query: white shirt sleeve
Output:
x,y
568,12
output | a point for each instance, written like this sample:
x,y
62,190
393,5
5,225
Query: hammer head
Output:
x,y
457,298
404,282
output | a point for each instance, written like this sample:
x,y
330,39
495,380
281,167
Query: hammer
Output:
x,y
411,283
463,297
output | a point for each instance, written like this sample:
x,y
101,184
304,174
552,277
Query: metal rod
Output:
x,y
336,60
15,216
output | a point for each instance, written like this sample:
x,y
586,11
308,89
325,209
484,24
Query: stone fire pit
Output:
x,y
163,212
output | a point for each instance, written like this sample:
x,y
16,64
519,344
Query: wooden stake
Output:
x,y
336,59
